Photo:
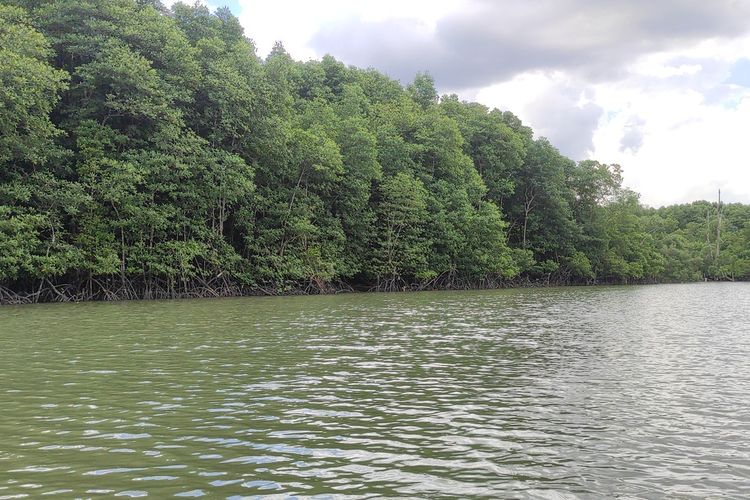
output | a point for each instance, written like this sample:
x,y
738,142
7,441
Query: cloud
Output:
x,y
295,23
694,146
568,123
488,41
555,105
632,139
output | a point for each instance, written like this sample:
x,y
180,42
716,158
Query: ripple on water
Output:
x,y
551,393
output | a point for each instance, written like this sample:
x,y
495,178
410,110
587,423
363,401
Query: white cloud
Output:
x,y
687,146
689,150
691,146
294,22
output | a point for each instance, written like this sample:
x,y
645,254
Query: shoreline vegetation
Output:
x,y
62,293
203,290
148,152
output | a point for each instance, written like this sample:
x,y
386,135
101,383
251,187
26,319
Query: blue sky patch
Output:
x,y
739,73
234,5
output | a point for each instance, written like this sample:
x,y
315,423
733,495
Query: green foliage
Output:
x,y
422,90
29,90
402,249
148,152
579,265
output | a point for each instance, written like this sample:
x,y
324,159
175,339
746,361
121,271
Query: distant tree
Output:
x,y
422,90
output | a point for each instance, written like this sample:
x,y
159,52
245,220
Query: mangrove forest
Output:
x,y
148,152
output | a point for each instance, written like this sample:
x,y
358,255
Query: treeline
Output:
x,y
147,152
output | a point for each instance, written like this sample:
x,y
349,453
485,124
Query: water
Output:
x,y
547,393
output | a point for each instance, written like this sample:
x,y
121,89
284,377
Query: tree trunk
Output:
x,y
718,226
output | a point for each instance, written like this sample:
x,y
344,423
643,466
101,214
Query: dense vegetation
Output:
x,y
147,152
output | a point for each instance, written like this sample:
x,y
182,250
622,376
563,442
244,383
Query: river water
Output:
x,y
637,392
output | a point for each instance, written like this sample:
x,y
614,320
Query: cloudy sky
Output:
x,y
661,87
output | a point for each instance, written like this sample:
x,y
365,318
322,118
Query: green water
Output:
x,y
549,393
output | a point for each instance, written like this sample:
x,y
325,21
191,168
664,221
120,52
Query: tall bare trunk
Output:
x,y
718,225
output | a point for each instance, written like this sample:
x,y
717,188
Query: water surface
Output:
x,y
545,393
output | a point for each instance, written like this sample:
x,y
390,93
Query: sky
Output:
x,y
661,87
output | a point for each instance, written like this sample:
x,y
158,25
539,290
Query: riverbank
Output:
x,y
97,291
